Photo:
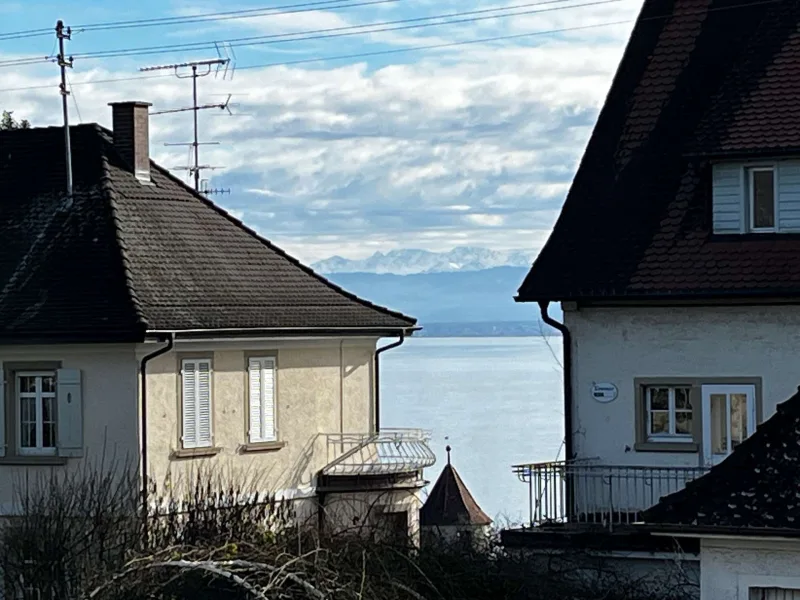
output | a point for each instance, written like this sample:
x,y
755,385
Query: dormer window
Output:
x,y
756,196
761,186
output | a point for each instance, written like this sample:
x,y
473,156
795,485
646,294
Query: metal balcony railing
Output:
x,y
387,452
584,491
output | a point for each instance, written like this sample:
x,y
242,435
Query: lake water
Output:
x,y
496,401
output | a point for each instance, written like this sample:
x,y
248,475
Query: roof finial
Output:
x,y
448,453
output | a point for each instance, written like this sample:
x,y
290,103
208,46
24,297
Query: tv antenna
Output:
x,y
198,68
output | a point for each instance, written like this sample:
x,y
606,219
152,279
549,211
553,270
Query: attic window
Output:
x,y
762,203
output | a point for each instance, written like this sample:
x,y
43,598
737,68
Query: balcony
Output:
x,y
587,492
387,452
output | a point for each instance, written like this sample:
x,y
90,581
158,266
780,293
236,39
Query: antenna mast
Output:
x,y
199,68
63,62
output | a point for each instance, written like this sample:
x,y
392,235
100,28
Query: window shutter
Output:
x,y
255,400
2,412
204,403
189,401
69,429
268,429
262,400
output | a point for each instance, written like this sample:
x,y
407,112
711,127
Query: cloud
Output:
x,y
474,145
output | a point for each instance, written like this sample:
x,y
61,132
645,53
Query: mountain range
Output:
x,y
448,302
413,261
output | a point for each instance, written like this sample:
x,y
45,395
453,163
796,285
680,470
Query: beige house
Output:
x,y
138,320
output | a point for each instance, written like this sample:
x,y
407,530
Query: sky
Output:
x,y
358,125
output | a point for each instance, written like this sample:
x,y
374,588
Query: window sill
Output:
x,y
196,452
42,461
693,447
262,447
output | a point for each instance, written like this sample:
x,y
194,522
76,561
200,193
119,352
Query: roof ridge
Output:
x,y
108,190
366,303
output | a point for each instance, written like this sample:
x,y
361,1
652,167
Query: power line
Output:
x,y
334,32
217,16
416,48
349,56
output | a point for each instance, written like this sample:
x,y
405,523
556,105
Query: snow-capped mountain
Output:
x,y
408,262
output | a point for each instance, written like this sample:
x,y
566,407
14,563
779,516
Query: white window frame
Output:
x,y
197,443
750,217
672,436
39,395
746,582
272,362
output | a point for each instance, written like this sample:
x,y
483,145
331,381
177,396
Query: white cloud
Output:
x,y
475,144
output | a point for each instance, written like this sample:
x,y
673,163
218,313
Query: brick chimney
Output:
x,y
132,136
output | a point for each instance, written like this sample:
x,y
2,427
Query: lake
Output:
x,y
496,401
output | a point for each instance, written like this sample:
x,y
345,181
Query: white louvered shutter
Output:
x,y
196,403
204,403
189,374
262,400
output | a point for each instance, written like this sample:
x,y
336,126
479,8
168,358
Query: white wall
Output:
x,y
619,344
110,408
729,567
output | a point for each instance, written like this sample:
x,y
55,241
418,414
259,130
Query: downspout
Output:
x,y
378,353
569,451
143,375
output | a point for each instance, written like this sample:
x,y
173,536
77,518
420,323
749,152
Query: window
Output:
x,y
196,403
669,413
261,375
761,195
773,593
36,407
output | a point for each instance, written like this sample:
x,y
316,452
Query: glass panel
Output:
x,y
659,422
738,419
659,398
27,384
719,423
763,199
49,384
682,399
48,435
47,410
28,435
683,422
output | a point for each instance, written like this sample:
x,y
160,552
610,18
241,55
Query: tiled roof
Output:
x,y
450,503
757,486
123,257
717,77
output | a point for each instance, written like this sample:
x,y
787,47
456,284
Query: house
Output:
x,y
676,261
140,321
450,512
746,514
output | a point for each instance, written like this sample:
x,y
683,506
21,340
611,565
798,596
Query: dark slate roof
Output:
x,y
718,77
756,487
450,503
122,258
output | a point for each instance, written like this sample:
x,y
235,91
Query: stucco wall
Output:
x,y
109,388
321,387
728,568
619,344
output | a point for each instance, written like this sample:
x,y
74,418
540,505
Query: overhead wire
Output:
x,y
409,49
328,33
215,16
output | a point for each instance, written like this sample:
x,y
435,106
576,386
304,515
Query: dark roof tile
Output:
x,y
122,257
715,78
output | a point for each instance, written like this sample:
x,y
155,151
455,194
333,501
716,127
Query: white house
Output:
x,y
676,261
